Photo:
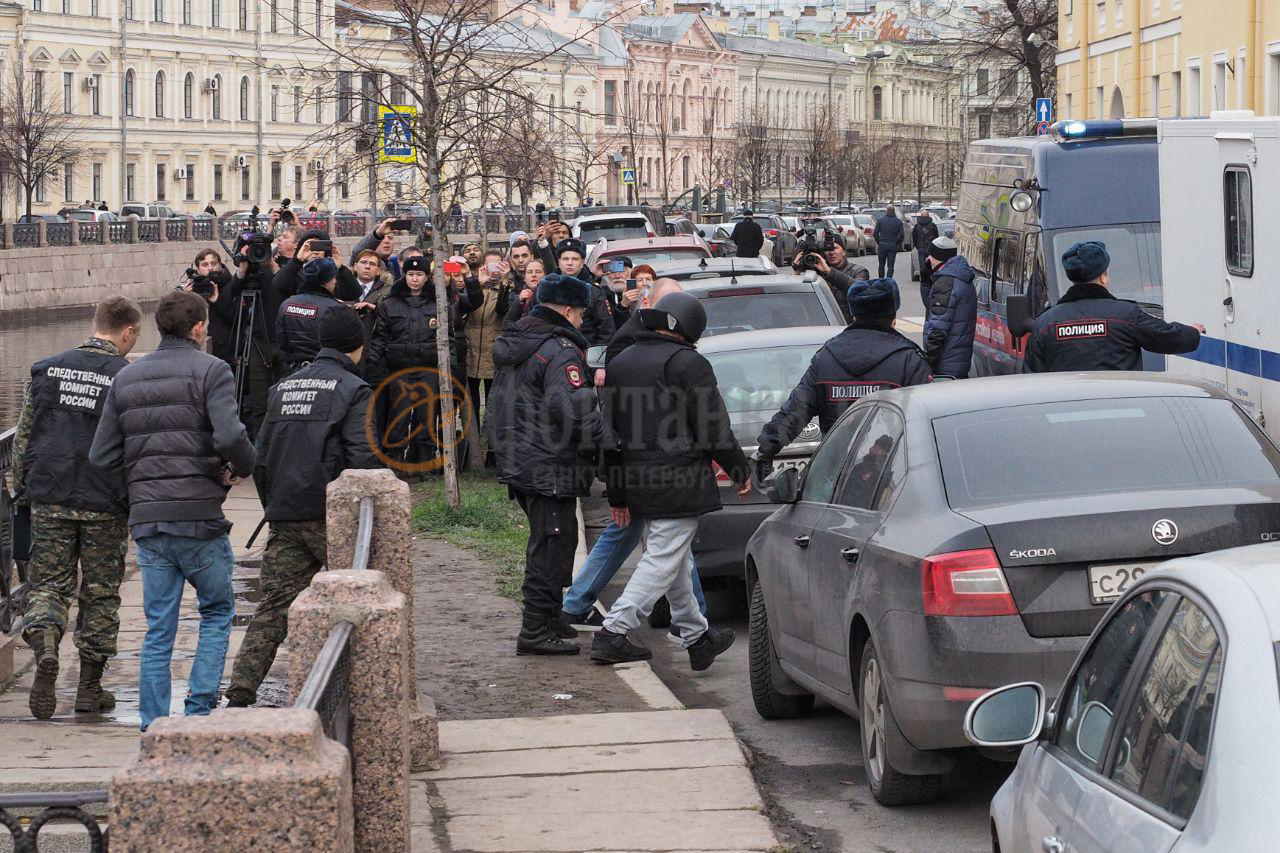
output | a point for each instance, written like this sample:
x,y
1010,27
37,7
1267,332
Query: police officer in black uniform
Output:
x,y
1089,329
298,323
314,430
597,321
868,356
546,430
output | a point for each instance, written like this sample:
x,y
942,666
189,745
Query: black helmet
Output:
x,y
677,312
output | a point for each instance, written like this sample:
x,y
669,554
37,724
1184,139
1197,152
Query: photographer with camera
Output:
x,y
257,302
828,259
209,278
383,241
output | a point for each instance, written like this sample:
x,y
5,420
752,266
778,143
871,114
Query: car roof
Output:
x,y
719,266
1255,566
766,338
678,241
940,399
780,283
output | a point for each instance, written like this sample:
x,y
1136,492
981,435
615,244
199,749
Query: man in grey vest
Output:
x,y
171,423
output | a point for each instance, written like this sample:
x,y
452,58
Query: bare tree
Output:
x,y
817,151
919,158
37,142
523,151
757,155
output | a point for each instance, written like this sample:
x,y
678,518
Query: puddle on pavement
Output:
x,y
246,585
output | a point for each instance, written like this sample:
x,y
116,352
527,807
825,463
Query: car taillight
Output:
x,y
772,232
867,229
721,475
965,583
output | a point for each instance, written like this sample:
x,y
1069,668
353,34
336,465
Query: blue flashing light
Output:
x,y
1073,130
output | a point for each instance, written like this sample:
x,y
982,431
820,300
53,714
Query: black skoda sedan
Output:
x,y
954,537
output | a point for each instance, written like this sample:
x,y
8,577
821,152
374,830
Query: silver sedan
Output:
x,y
1163,736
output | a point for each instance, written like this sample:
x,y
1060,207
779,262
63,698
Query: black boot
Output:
x,y
538,637
561,628
608,647
43,701
90,697
713,642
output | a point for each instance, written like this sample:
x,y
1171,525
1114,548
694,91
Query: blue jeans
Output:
x,y
612,550
167,562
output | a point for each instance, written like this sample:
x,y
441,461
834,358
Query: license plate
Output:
x,y
1108,582
798,464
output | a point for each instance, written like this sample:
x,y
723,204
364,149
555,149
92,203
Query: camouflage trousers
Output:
x,y
295,552
57,546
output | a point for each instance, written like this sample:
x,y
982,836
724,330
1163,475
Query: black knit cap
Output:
x,y
341,329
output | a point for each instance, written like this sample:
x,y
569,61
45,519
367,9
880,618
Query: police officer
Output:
x,y
1089,329
314,430
545,429
78,513
298,323
866,357
597,321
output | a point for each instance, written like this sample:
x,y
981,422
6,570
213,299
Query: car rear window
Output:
x,y
760,380
1089,447
748,309
648,256
613,229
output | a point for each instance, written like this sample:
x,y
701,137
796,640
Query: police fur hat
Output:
x,y
571,245
943,249
1086,261
872,299
421,263
318,272
341,329
558,289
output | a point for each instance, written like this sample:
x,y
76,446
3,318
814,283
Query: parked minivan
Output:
x,y
151,210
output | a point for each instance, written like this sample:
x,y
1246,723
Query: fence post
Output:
x,y
390,553
161,224
75,232
378,688
238,780
42,234
191,229
8,235
133,230
331,225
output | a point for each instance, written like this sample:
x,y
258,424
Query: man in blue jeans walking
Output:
x,y
171,421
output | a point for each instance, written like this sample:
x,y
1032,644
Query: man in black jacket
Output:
x,y
315,430
1089,329
213,281
923,233
838,270
298,323
662,401
597,322
889,235
747,236
77,512
545,430
170,422
866,357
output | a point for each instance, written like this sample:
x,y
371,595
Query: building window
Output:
x,y
68,182
319,105
95,95
242,15
984,125
1193,91
297,182
319,18
129,183
68,92
684,172
1066,106
191,181
1220,85
217,96
610,102
1100,94
97,182
275,24
186,11
1175,92
40,189
160,182
188,85
159,94
320,184
37,6
217,181
275,103
93,8
877,103
982,86
244,98
397,92
1237,197
344,182
297,104
128,11
37,84
158,11
368,98
215,13
244,183
128,92
275,179
297,17
344,96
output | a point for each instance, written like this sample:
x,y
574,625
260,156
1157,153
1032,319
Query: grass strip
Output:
x,y
488,524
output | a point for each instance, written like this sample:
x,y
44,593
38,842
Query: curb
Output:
x,y
642,680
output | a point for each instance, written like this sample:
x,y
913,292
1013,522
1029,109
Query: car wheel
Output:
x,y
889,786
660,615
770,703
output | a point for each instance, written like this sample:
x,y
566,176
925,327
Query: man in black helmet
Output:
x,y
661,399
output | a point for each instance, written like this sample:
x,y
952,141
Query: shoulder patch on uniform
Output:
x,y
574,375
308,311
1080,329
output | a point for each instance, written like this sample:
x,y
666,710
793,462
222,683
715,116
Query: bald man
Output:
x,y
626,334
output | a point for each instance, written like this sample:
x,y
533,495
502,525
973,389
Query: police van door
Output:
x,y
1246,302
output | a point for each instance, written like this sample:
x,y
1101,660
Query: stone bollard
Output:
x,y
378,689
161,224
133,230
7,239
218,782
390,552
191,229
42,234
75,232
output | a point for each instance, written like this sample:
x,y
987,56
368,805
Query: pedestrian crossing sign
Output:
x,y
628,176
395,135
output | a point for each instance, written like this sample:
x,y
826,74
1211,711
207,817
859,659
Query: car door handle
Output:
x,y
1052,844
850,554
802,541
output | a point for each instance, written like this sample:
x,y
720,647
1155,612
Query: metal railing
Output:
x,y
118,232
149,231
26,235
91,232
57,233
53,805
175,229
13,574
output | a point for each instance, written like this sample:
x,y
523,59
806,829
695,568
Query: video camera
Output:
x,y
253,248
200,284
809,250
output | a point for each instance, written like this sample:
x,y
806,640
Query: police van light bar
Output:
x,y
1073,130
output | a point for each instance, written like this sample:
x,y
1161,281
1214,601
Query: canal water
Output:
x,y
28,336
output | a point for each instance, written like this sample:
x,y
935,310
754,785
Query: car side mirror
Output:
x,y
1021,319
1007,716
783,486
595,357
1091,734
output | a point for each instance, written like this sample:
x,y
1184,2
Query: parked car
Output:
x,y
615,222
956,536
783,239
681,225
946,228
88,214
717,237
646,250
151,210
32,218
714,268
856,242
1149,747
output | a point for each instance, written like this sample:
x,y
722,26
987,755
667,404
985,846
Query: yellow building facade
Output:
x,y
1131,58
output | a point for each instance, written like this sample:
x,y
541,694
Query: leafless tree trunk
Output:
x,y
36,140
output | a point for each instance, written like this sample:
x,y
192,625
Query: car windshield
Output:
x,y
613,229
760,380
1135,444
1135,271
82,215
747,309
647,256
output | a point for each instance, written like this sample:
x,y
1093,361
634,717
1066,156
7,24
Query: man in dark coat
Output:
x,y
866,357
748,236
1089,329
951,312
838,270
662,400
597,321
889,234
545,430
924,232
315,430
297,329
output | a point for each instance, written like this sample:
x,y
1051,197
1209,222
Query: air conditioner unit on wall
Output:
x,y
179,174
317,165
210,85
89,84
242,161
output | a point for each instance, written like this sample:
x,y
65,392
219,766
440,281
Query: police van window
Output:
x,y
820,478
868,481
1237,197
1135,271
1032,274
1007,267
974,242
